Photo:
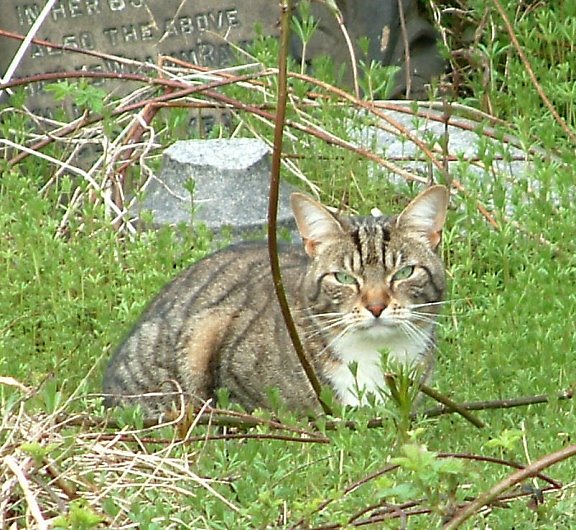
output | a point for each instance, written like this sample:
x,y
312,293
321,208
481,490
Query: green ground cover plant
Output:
x,y
76,274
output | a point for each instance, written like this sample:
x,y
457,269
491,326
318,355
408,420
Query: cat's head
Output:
x,y
375,274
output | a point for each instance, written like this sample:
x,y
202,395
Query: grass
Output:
x,y
73,282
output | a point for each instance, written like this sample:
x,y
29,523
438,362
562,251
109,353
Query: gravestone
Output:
x,y
220,183
199,32
195,31
477,154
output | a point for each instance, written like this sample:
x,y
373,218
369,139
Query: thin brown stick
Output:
x,y
373,109
206,416
523,401
530,471
493,460
385,511
455,407
65,485
378,423
479,206
400,107
226,418
184,90
273,203
349,489
207,91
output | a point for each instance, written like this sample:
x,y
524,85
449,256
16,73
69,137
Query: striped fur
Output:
x,y
361,285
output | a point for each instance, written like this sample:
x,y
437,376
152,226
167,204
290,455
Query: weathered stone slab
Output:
x,y
229,181
196,31
476,152
200,32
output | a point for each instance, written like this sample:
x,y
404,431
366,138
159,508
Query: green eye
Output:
x,y
404,273
344,278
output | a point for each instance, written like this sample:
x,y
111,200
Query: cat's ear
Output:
x,y
315,223
426,214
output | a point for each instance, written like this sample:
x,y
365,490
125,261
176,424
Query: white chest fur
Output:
x,y
362,348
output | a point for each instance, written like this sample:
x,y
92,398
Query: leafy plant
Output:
x,y
83,94
79,517
437,479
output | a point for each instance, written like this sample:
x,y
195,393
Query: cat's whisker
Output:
x,y
329,319
443,315
424,317
325,325
306,312
431,316
322,330
408,331
410,328
324,317
335,339
324,322
428,304
415,332
421,335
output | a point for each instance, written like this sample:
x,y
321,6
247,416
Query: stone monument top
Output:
x,y
219,183
199,32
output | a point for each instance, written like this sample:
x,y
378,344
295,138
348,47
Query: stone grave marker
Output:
x,y
199,32
195,31
220,183
466,140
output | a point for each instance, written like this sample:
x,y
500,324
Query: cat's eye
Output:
x,y
404,273
344,278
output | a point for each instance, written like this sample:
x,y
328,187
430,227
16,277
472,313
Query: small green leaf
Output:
x,y
37,451
80,517
508,439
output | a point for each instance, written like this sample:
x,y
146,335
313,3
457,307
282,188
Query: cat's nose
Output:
x,y
376,309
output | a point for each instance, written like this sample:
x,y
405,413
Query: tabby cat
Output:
x,y
360,285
